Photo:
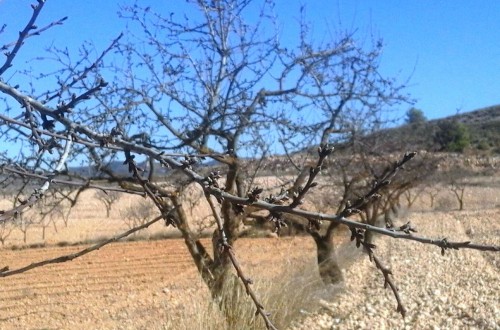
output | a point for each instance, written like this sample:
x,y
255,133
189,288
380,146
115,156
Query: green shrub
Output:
x,y
452,136
415,116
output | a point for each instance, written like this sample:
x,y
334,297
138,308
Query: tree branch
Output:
x,y
37,194
5,272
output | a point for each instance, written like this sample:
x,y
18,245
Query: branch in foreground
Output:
x,y
245,280
24,173
358,235
4,272
150,191
443,243
388,281
38,193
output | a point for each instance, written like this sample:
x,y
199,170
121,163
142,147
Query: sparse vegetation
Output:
x,y
138,214
207,96
292,299
452,136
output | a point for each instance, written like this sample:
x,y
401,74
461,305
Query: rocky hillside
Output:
x,y
483,128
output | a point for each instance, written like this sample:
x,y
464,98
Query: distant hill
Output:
x,y
118,168
484,115
483,126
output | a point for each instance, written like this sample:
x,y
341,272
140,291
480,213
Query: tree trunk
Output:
x,y
201,258
225,288
369,235
329,268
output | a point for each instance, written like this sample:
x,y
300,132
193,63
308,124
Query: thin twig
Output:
x,y
4,88
36,33
22,35
80,253
38,193
24,173
387,273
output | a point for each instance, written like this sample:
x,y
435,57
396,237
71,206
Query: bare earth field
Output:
x,y
132,285
154,285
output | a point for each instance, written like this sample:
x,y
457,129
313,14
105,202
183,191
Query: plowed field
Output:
x,y
130,285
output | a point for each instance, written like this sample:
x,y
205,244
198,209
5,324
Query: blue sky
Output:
x,y
450,50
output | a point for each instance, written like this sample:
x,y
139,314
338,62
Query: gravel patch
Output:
x,y
459,290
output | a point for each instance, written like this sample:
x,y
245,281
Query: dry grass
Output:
x,y
289,297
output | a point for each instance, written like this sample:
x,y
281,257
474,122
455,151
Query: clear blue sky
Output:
x,y
450,49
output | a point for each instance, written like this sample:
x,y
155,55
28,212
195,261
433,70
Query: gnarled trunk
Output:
x,y
329,268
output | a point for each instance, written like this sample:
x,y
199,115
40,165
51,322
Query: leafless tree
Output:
x,y
352,176
108,198
456,176
412,195
209,89
47,212
432,192
6,229
216,88
458,189
23,223
138,214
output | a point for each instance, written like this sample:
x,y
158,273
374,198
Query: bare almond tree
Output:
x,y
138,214
432,192
196,93
108,198
222,87
458,186
6,229
23,223
46,216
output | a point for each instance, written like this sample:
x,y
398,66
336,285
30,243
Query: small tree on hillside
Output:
x,y
457,179
415,116
432,191
458,189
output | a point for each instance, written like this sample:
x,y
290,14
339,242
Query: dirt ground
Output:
x,y
144,284
131,285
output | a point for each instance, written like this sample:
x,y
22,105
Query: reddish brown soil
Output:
x,y
132,285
